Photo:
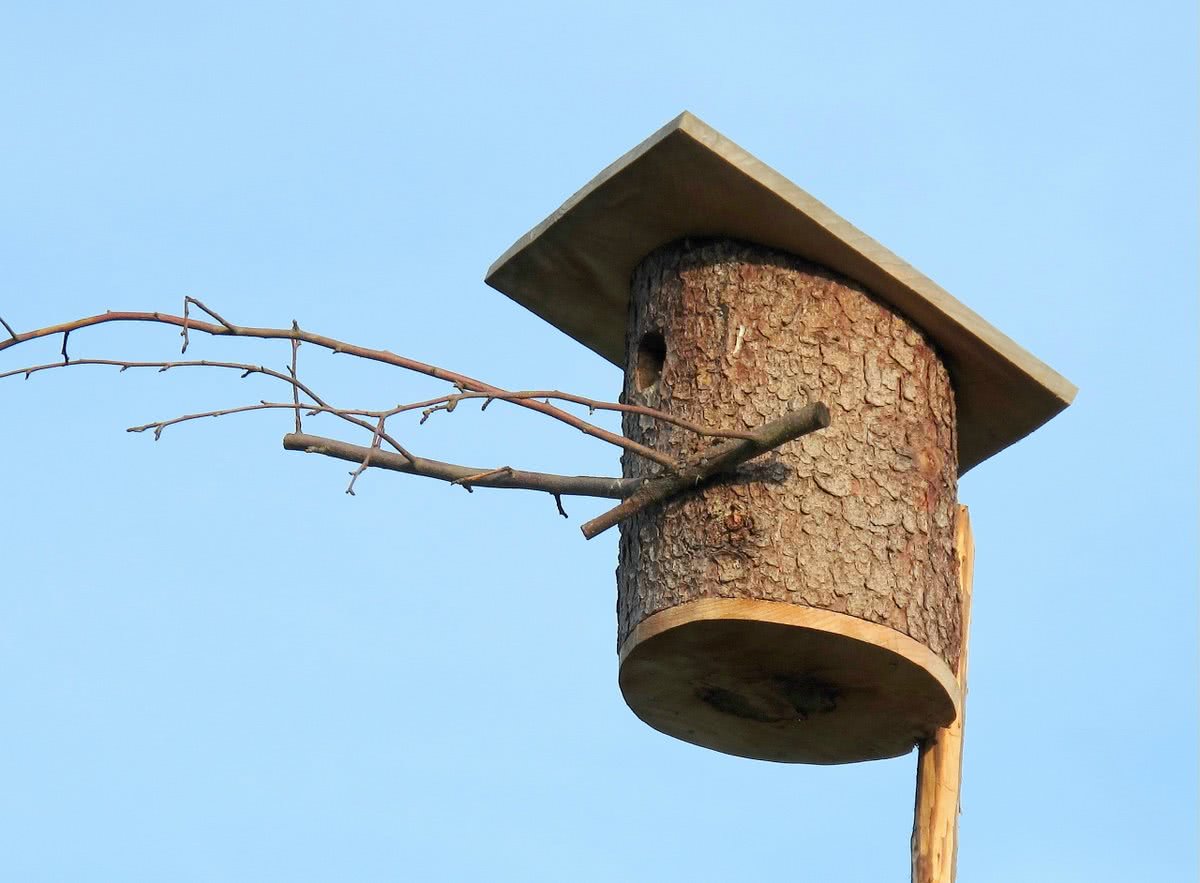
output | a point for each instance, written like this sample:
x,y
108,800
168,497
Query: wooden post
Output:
x,y
939,762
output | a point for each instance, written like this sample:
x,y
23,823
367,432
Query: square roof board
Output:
x,y
687,179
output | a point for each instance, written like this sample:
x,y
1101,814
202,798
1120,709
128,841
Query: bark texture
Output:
x,y
857,518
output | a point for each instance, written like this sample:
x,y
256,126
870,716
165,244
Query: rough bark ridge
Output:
x,y
858,518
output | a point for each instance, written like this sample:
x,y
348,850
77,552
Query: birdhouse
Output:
x,y
806,608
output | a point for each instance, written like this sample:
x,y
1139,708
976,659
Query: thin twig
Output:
x,y
636,493
467,480
309,408
388,358
450,401
321,406
366,457
8,328
160,425
447,404
232,329
295,389
184,332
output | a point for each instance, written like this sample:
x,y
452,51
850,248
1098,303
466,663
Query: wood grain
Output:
x,y
780,682
939,763
687,179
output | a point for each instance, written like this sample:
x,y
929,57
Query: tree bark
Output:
x,y
856,519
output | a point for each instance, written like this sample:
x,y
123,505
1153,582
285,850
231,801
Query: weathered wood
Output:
x,y
939,763
856,519
782,682
687,179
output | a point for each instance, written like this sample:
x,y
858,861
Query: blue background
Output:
x,y
216,666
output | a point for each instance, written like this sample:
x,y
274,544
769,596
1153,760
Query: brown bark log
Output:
x,y
856,519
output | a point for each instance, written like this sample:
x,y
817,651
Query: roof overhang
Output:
x,y
687,179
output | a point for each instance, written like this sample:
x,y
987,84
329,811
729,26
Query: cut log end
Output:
x,y
780,682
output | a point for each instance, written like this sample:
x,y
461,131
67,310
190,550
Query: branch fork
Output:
x,y
636,494
672,478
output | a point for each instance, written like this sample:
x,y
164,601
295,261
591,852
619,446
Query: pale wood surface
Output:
x,y
777,681
939,764
687,179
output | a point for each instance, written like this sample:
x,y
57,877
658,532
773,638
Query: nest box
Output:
x,y
807,607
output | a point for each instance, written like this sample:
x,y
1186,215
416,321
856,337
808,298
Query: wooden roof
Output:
x,y
687,179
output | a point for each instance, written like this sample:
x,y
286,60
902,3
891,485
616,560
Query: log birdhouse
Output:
x,y
807,608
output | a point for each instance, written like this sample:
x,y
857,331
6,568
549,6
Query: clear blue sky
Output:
x,y
216,666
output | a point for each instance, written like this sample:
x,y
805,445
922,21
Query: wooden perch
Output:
x,y
721,458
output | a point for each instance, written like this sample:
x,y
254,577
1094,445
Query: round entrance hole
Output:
x,y
652,353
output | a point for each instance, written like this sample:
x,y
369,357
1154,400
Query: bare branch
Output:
x,y
184,332
161,366
366,457
321,406
740,447
232,329
8,328
450,402
517,479
446,403
292,371
722,458
160,425
226,329
637,493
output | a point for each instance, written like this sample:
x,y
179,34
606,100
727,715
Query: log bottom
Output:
x,y
782,682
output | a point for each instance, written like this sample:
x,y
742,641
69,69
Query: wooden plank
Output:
x,y
939,762
733,675
688,180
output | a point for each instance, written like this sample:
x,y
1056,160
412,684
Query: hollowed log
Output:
x,y
806,608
